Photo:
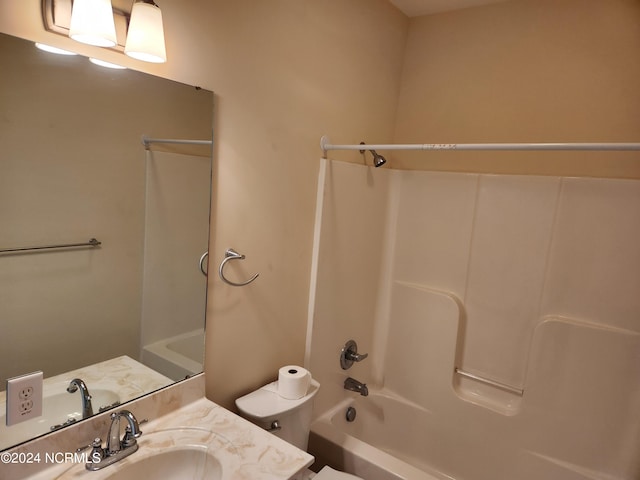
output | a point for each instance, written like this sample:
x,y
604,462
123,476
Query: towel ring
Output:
x,y
231,254
202,259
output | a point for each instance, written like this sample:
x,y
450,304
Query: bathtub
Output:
x,y
394,439
176,357
382,443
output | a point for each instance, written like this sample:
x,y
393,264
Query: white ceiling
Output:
x,y
415,8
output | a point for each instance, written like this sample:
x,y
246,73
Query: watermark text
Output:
x,y
23,458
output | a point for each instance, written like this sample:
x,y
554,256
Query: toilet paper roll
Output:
x,y
293,382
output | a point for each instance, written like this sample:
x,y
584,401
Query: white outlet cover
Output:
x,y
24,397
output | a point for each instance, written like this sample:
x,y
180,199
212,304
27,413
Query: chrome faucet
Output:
x,y
115,448
355,386
74,385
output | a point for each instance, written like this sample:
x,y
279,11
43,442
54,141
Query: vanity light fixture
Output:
x,y
145,38
92,23
136,31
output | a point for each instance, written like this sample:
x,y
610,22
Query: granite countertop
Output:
x,y
242,450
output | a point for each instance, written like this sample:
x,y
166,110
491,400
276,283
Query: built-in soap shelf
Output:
x,y
488,381
550,364
483,391
427,331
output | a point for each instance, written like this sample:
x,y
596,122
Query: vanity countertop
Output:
x,y
244,450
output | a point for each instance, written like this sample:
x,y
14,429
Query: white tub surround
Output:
x,y
528,283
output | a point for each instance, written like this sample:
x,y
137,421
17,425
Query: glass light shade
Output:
x,y
92,23
145,38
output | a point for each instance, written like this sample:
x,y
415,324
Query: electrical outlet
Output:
x,y
26,393
24,397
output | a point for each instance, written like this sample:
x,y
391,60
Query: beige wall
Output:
x,y
292,72
523,71
284,72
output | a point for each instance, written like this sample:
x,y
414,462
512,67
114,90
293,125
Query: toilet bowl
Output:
x,y
287,419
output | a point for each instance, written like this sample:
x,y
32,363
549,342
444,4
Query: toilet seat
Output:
x,y
328,473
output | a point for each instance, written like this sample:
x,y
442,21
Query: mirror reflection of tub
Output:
x,y
176,357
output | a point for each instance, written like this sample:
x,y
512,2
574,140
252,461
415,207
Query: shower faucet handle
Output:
x,y
349,354
356,357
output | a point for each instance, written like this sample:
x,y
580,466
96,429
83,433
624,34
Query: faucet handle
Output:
x,y
129,439
97,441
356,357
349,354
97,452
132,430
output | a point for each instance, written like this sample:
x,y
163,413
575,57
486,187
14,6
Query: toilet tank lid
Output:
x,y
265,402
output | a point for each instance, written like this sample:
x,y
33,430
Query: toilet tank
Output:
x,y
264,407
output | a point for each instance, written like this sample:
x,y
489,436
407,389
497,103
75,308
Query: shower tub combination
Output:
x,y
176,357
544,390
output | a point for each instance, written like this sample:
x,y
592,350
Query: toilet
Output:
x,y
288,419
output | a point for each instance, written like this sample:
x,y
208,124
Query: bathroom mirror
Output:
x,y
126,314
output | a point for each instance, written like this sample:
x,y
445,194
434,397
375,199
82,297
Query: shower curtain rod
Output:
x,y
146,141
325,145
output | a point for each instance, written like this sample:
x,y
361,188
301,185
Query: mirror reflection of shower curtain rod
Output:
x,y
91,243
325,145
146,141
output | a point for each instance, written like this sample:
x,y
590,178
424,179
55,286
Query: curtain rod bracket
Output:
x,y
324,140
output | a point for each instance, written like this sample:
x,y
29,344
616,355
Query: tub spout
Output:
x,y
355,386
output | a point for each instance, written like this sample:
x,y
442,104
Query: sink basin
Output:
x,y
175,464
62,406
170,454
